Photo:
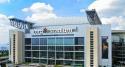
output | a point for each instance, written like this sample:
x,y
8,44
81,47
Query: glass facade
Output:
x,y
43,54
35,47
27,53
79,41
69,41
55,50
35,41
59,41
56,41
28,41
35,54
51,41
43,41
27,47
43,47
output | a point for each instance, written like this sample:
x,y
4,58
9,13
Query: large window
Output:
x,y
68,41
59,41
59,55
35,41
27,53
51,55
35,54
69,55
51,41
35,60
79,48
44,61
59,48
79,40
27,47
79,55
68,48
43,47
79,64
28,60
59,62
55,41
43,54
27,41
51,48
43,41
51,62
68,62
35,47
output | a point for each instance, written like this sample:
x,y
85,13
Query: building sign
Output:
x,y
104,47
46,30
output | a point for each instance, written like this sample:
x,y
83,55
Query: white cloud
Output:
x,y
11,16
63,20
39,11
42,13
118,22
4,1
39,8
109,7
4,19
4,28
110,12
82,10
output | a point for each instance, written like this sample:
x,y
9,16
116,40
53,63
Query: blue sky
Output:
x,y
61,7
110,12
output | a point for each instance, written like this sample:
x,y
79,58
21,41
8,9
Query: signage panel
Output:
x,y
46,30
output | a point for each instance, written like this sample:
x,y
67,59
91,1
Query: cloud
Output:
x,y
111,12
110,7
4,28
82,10
39,11
39,8
42,13
62,20
4,19
118,22
4,1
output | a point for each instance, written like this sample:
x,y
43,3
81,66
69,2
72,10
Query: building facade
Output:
x,y
16,53
73,45
118,48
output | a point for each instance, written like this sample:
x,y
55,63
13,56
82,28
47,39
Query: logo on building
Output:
x,y
45,30
56,30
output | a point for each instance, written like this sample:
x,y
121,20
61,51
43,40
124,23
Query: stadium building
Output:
x,y
118,48
65,45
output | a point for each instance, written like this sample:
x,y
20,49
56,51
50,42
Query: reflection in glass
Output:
x,y
43,54
68,41
51,41
79,40
43,41
59,41
35,41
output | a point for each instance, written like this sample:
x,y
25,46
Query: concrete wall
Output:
x,y
18,51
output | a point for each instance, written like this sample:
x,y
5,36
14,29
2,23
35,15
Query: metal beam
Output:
x,y
20,24
93,17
